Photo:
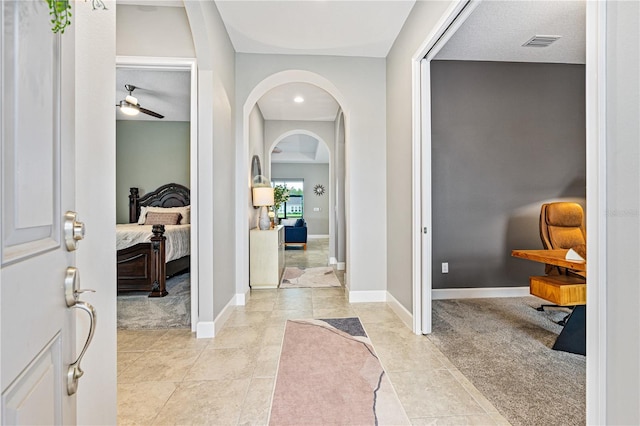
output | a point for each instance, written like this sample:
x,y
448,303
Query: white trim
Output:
x,y
225,314
205,330
341,266
191,65
450,21
312,236
595,79
478,293
243,298
402,312
333,261
367,296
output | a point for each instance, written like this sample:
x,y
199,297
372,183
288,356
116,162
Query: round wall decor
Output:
x,y
318,189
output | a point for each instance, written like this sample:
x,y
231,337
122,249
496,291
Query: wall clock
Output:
x,y
318,189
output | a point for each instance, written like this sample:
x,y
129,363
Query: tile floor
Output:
x,y
170,377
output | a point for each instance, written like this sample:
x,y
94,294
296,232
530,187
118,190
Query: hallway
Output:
x,y
170,377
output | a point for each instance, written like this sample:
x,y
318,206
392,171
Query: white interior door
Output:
x,y
37,342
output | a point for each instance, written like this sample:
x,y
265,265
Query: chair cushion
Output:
x,y
564,214
299,223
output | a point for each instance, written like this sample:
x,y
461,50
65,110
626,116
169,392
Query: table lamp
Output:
x,y
263,197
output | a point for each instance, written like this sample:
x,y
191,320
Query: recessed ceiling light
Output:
x,y
298,99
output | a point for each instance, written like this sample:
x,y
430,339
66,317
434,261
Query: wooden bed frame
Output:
x,y
142,267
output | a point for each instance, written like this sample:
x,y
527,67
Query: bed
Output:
x,y
149,253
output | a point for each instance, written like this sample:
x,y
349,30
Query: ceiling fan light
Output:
x,y
131,99
129,109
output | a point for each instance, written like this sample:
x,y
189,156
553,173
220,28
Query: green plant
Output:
x,y
280,195
60,11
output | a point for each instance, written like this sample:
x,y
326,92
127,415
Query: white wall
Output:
x,y
420,23
622,213
216,168
358,84
95,74
153,31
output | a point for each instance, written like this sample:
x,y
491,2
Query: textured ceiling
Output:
x,y
496,30
318,105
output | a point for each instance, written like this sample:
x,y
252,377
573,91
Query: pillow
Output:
x,y
184,211
287,222
299,223
156,218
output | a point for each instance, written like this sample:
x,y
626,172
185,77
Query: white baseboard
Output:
x,y
243,298
367,296
224,315
333,261
400,311
478,293
205,330
342,266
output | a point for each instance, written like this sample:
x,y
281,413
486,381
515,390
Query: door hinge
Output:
x,y
424,230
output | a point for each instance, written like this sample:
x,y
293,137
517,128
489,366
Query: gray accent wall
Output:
x,y
312,174
506,137
149,154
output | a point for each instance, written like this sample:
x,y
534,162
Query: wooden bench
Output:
x,y
563,290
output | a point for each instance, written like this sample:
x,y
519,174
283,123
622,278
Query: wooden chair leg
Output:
x,y
305,246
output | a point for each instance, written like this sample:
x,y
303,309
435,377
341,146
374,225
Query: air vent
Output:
x,y
540,41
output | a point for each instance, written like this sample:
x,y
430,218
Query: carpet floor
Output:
x,y
299,277
503,346
137,310
329,374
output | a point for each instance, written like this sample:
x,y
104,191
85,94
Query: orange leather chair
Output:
x,y
562,227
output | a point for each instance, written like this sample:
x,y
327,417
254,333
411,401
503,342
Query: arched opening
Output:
x,y
262,133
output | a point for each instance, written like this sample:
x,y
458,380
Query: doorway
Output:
x,y
422,242
166,68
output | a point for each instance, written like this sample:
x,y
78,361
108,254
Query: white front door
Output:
x,y
37,340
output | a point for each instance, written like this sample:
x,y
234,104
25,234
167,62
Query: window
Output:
x,y
294,208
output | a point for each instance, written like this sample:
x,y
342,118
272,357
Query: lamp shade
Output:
x,y
263,196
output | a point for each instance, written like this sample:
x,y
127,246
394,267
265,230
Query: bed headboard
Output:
x,y
169,195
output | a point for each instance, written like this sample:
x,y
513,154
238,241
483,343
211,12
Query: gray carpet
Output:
x,y
504,347
137,310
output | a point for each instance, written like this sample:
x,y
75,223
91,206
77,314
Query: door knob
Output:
x,y
73,230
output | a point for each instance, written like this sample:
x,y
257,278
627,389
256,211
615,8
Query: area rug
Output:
x,y
298,277
503,346
137,310
329,374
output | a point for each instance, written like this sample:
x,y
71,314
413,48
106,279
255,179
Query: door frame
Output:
x,y
181,64
596,189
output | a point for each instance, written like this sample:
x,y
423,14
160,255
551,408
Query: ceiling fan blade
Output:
x,y
151,113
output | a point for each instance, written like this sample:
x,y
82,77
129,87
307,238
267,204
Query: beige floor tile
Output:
x,y
433,394
335,302
255,410
280,317
215,402
273,335
140,403
295,293
223,364
404,358
125,359
382,314
334,313
165,366
294,304
258,305
237,337
267,362
475,393
318,293
138,340
473,420
241,318
176,339
264,293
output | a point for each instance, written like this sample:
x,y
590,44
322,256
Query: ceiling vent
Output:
x,y
540,41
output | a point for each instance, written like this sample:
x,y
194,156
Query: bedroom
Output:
x,y
153,150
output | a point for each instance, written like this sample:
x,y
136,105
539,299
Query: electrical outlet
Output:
x,y
445,267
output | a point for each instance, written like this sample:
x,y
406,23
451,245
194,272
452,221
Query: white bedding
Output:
x,y
177,244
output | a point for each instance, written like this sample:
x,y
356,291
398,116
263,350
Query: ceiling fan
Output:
x,y
130,106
